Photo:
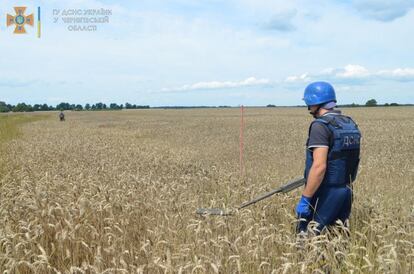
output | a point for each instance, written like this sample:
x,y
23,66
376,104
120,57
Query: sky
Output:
x,y
212,52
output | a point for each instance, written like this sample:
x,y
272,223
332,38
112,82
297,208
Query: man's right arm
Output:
x,y
317,171
319,141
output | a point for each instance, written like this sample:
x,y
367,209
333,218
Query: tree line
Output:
x,y
372,103
369,103
23,107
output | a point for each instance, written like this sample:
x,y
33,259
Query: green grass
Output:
x,y
9,125
10,129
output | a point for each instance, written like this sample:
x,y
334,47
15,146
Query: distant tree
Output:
x,y
87,106
99,106
44,107
114,106
394,105
22,107
4,107
270,106
128,106
37,107
63,106
93,107
386,105
78,107
371,103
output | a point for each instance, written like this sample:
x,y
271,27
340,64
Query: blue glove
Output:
x,y
303,208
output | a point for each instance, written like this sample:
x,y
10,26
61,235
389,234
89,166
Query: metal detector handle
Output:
x,y
283,189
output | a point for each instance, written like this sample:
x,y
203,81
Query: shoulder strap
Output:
x,y
356,125
329,119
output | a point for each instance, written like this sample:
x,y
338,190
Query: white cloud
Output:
x,y
403,74
383,10
349,74
301,78
249,82
282,21
13,83
354,73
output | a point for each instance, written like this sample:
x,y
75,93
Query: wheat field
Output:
x,y
116,192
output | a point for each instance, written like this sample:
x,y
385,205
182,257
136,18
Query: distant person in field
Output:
x,y
332,159
61,116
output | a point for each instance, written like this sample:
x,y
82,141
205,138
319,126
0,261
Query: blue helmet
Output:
x,y
318,93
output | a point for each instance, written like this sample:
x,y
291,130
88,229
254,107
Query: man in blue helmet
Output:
x,y
332,159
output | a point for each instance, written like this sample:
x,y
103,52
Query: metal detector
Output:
x,y
291,185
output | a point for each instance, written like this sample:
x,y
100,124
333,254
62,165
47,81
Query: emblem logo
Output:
x,y
20,20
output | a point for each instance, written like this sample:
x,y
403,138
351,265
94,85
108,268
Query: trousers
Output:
x,y
329,204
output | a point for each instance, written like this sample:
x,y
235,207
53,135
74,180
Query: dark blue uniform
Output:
x,y
333,199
